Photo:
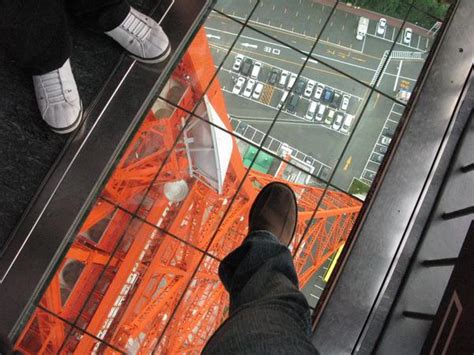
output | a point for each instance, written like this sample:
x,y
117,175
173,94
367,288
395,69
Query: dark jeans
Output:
x,y
35,33
268,314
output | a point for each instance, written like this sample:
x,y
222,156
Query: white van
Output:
x,y
292,80
362,28
347,123
320,114
311,110
283,78
256,70
282,100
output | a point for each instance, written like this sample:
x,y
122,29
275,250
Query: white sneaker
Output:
x,y
58,99
142,37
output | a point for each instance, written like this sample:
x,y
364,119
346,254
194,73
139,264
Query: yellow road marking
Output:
x,y
267,94
333,264
348,163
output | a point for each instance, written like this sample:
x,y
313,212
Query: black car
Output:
x,y
376,158
381,149
369,175
292,102
274,76
299,86
246,67
336,101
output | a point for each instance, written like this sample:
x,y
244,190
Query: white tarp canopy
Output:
x,y
209,148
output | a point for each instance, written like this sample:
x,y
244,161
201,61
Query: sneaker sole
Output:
x,y
159,59
72,127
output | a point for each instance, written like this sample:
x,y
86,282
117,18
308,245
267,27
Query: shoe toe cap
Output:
x,y
62,116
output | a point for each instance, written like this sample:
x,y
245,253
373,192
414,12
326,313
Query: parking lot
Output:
x,y
338,50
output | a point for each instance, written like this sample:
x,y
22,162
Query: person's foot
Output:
x,y
142,37
58,99
275,210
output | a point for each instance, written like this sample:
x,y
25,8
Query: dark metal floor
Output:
x,y
28,148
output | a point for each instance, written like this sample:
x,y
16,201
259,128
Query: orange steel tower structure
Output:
x,y
147,281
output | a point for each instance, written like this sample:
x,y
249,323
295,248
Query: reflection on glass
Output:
x,y
141,272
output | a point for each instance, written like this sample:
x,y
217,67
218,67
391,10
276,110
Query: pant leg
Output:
x,y
99,15
35,33
268,314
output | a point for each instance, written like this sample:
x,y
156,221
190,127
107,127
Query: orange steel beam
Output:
x,y
134,276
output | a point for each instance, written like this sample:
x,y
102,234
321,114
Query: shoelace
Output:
x,y
137,27
53,87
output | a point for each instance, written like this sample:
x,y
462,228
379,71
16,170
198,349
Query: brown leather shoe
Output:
x,y
275,210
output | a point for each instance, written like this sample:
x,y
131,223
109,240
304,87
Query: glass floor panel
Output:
x,y
258,96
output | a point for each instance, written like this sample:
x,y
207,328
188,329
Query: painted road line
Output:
x,y
399,43
314,296
398,75
333,264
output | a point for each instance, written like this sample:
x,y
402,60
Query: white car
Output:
x,y
309,88
345,102
256,70
249,88
311,110
382,26
283,78
258,91
338,121
318,92
347,124
407,35
385,140
238,62
238,85
292,80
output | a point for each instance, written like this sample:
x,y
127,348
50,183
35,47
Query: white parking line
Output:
x,y
314,296
377,142
321,288
399,43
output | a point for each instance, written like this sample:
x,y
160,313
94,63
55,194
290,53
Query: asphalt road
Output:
x,y
298,25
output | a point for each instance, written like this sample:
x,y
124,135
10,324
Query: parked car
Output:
x,y
407,35
328,94
246,66
256,70
338,121
385,140
258,91
313,105
282,100
283,78
330,117
336,101
291,81
382,26
273,77
292,103
345,102
249,88
321,110
300,85
381,149
347,123
376,158
368,175
237,62
309,88
238,85
318,92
